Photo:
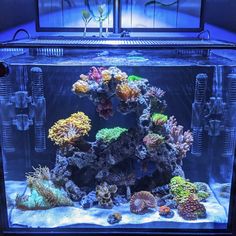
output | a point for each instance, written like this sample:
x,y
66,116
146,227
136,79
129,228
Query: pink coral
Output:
x,y
180,140
155,92
96,73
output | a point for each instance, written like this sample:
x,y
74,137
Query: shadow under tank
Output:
x,y
129,103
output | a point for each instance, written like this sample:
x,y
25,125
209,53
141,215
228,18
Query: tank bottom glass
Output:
x,y
76,216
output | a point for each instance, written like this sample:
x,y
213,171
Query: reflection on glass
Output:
x,y
161,13
68,13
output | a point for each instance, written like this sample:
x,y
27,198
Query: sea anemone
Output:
x,y
141,201
159,119
80,86
67,131
126,92
153,140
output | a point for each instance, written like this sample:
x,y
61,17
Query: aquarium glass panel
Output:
x,y
75,13
161,14
117,138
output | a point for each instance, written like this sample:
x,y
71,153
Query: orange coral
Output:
x,y
126,92
67,131
121,76
80,87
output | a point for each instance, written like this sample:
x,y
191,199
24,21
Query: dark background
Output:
x,y
221,13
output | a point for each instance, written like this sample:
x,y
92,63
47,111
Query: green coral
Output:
x,y
202,191
108,135
159,119
181,188
134,78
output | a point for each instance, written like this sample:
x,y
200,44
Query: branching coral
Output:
x,y
153,140
104,194
80,87
181,188
192,209
67,131
127,92
141,201
108,135
159,119
155,92
180,140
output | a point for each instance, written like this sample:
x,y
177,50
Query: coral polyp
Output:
x,y
153,140
127,92
80,87
67,131
108,135
159,119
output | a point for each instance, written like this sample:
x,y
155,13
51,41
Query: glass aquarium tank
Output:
x,y
118,138
109,134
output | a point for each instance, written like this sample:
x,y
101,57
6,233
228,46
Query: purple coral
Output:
x,y
96,73
155,92
180,140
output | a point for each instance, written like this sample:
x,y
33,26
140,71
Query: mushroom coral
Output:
x,y
67,131
141,201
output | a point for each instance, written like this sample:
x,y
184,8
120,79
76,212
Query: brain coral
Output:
x,y
141,201
67,131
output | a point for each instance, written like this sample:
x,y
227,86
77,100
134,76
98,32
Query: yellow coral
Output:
x,y
127,93
67,131
121,76
84,77
106,76
80,87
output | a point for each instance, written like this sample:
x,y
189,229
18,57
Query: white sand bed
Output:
x,y
65,216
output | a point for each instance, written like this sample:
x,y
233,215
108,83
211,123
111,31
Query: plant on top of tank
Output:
x,y
159,119
108,135
86,18
67,131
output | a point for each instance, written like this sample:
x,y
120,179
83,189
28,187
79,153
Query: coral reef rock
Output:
x,y
114,218
154,144
43,193
104,194
192,209
89,200
141,201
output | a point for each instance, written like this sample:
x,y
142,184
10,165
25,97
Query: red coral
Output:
x,y
104,108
